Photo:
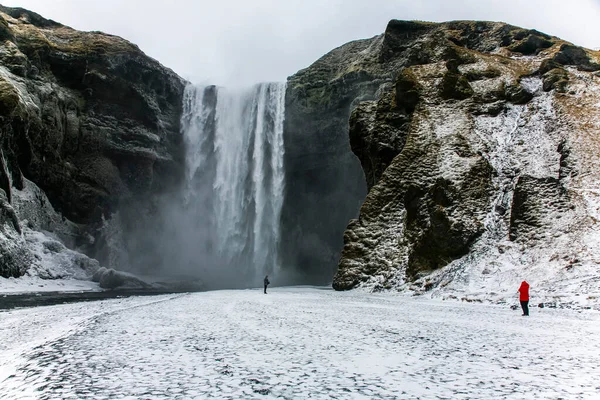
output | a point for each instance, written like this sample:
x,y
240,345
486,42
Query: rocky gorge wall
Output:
x,y
88,124
325,184
481,161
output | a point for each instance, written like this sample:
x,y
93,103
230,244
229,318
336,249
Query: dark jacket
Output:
x,y
267,281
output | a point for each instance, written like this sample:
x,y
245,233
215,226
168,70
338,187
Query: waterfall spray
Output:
x,y
235,175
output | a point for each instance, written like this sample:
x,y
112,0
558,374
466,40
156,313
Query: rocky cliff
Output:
x,y
325,185
481,161
89,126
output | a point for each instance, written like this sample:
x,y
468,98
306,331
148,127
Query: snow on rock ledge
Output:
x,y
52,260
33,238
490,177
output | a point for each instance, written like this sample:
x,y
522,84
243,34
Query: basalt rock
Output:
x,y
324,182
536,203
14,255
376,128
109,278
569,54
455,86
88,118
556,78
482,173
517,94
530,42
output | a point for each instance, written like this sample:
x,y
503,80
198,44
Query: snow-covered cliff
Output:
x,y
482,162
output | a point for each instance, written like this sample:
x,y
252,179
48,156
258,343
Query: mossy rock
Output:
x,y
547,65
488,73
29,16
9,98
572,55
453,64
455,86
469,34
5,31
318,97
408,92
491,109
556,78
516,94
524,41
457,55
533,44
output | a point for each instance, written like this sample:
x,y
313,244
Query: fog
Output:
x,y
233,43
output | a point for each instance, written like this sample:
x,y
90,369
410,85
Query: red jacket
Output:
x,y
524,290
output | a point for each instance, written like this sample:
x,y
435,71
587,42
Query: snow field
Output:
x,y
297,343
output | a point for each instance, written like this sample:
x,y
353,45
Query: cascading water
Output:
x,y
235,176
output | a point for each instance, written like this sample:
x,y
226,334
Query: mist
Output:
x,y
222,224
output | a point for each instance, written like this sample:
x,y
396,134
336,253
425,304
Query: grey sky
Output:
x,y
240,42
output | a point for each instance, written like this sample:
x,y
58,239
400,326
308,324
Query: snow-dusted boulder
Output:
x,y
52,260
109,278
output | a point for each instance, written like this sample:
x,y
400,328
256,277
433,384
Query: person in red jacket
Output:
x,y
524,297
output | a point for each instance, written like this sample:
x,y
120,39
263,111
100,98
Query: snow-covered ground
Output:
x,y
297,343
32,284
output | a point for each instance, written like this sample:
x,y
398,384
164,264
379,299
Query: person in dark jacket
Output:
x,y
524,297
266,282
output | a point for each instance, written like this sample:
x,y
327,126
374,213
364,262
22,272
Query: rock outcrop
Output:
x,y
111,279
90,120
14,256
324,181
481,161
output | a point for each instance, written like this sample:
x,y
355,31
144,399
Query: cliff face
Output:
x,y
324,182
481,161
89,119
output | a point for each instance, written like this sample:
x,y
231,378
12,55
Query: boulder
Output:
x,y
109,278
455,86
517,94
557,79
569,54
532,44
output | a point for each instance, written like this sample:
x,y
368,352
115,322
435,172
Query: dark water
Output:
x,y
8,302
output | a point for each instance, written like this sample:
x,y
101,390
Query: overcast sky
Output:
x,y
232,42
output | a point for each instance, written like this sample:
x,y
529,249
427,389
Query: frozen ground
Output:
x,y
297,343
29,284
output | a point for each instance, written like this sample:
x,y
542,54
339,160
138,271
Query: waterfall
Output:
x,y
235,176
